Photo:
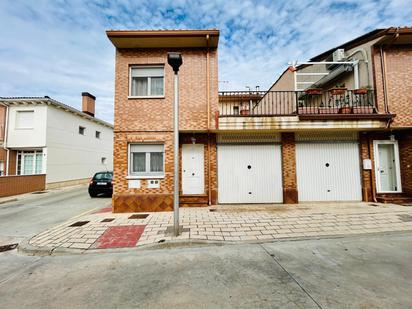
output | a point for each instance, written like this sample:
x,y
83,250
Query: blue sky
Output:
x,y
59,48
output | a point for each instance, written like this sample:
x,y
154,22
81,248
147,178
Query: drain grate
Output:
x,y
107,220
213,210
79,223
8,247
139,216
405,218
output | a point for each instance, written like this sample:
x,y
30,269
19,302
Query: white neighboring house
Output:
x,y
44,136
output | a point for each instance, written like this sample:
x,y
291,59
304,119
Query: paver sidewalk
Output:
x,y
226,223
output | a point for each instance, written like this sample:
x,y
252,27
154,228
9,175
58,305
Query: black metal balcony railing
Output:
x,y
292,103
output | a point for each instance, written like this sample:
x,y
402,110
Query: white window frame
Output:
x,y
376,143
149,96
16,119
147,174
21,154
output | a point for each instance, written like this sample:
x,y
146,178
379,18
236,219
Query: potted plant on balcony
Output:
x,y
346,109
313,91
339,89
244,111
361,91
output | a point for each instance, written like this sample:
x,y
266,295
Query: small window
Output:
x,y
146,160
97,134
82,130
24,119
104,160
146,81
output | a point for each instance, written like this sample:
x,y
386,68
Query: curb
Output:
x,y
8,201
25,248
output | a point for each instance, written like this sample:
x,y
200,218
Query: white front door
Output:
x,y
328,172
387,166
193,180
249,174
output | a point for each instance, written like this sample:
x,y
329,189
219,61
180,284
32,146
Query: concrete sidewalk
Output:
x,y
246,223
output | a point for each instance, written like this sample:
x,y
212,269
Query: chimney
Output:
x,y
88,103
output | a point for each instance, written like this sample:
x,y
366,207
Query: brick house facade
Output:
x,y
284,145
149,121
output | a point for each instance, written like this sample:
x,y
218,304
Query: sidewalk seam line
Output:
x,y
290,275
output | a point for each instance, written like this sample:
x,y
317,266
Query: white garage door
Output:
x,y
328,171
249,174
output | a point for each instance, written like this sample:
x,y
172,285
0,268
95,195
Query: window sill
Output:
x,y
147,97
145,177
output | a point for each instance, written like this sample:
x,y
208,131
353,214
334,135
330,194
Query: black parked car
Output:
x,y
101,183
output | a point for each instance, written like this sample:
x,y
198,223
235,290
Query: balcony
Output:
x,y
290,109
338,102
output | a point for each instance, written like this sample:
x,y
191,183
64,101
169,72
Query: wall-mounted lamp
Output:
x,y
193,139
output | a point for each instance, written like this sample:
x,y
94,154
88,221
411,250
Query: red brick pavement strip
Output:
x,y
120,237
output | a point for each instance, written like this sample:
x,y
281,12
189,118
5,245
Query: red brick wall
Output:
x,y
398,66
156,114
366,152
13,185
405,158
151,120
290,193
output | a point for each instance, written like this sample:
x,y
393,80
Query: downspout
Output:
x,y
208,122
383,73
6,126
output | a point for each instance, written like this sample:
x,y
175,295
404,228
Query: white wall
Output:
x,y
71,155
27,138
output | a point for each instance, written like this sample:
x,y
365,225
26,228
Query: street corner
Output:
x,y
102,230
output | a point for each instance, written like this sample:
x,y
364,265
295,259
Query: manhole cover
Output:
x,y
405,218
139,216
107,220
8,247
79,223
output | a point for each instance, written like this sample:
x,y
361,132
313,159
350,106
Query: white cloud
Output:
x,y
59,48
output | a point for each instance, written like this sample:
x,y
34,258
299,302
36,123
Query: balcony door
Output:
x,y
387,171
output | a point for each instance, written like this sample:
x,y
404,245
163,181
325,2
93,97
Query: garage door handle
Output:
x,y
193,174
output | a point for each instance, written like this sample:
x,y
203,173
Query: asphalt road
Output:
x,y
34,213
356,272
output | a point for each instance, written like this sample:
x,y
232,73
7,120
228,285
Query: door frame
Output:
x,y
376,143
185,146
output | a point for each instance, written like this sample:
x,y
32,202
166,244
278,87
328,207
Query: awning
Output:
x,y
333,75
